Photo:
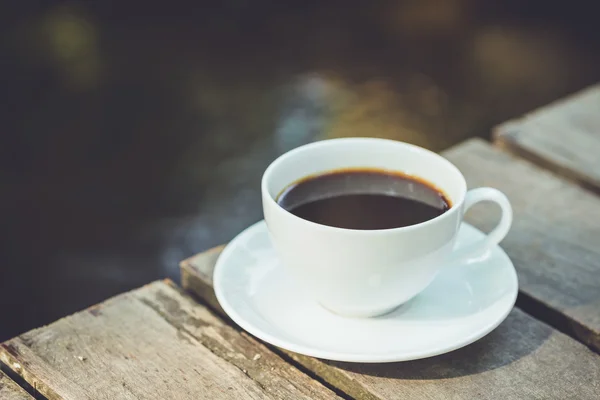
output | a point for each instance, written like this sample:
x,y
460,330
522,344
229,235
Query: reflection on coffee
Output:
x,y
364,198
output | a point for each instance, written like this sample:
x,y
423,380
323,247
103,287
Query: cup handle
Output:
x,y
481,248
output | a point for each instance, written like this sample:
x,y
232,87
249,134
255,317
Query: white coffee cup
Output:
x,y
364,273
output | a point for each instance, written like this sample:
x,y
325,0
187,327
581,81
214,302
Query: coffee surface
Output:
x,y
365,199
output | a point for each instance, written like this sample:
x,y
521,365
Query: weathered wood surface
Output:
x,y
153,343
563,136
522,359
9,390
555,239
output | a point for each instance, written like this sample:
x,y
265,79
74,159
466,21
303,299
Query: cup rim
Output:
x,y
330,142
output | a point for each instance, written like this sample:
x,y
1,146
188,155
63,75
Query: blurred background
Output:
x,y
134,134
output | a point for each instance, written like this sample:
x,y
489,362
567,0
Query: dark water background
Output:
x,y
134,134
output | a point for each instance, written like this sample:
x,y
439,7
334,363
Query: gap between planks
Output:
x,y
563,137
10,389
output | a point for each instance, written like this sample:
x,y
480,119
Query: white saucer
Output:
x,y
463,303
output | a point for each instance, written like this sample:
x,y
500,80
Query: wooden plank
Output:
x,y
9,390
152,343
554,241
523,358
563,137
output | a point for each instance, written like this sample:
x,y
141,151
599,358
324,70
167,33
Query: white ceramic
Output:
x,y
467,300
365,273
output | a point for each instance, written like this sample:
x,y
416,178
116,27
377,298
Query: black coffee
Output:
x,y
364,199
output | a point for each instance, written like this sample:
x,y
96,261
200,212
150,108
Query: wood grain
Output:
x,y
152,343
563,136
9,390
555,239
523,358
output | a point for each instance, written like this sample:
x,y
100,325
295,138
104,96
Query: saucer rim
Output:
x,y
347,356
